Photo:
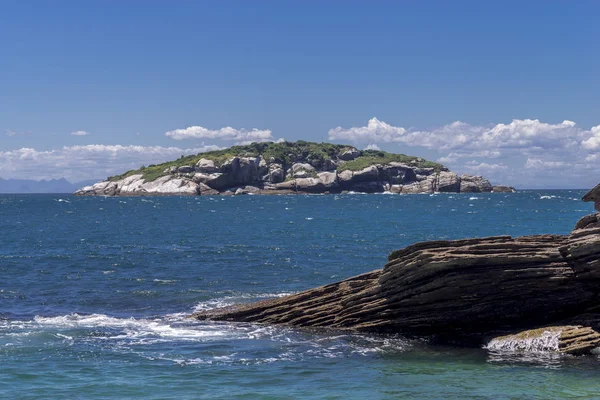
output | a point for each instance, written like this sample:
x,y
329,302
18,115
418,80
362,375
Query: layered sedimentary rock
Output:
x,y
294,173
459,289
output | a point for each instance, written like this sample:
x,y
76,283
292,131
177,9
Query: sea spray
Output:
x,y
539,340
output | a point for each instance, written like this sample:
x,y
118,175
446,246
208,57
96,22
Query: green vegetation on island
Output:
x,y
284,153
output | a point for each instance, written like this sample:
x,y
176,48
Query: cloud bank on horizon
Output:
x,y
94,161
226,133
525,153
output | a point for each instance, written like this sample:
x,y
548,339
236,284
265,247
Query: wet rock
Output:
x,y
574,340
503,189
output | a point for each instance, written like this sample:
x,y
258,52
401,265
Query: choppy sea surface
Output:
x,y
95,293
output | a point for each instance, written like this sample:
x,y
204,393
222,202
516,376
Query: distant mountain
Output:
x,y
31,186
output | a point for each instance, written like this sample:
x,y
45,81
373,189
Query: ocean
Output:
x,y
95,294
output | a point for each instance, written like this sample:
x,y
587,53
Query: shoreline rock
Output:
x,y
593,196
323,183
459,291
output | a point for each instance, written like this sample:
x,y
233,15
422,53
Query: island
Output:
x,y
290,167
530,293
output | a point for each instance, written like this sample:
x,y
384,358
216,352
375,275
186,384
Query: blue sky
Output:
x,y
521,77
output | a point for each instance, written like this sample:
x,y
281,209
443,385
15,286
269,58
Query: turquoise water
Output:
x,y
95,294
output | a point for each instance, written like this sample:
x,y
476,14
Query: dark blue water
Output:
x,y
95,294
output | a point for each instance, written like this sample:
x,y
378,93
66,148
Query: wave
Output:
x,y
162,338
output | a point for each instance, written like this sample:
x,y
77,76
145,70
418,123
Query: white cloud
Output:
x,y
226,133
483,167
455,156
593,142
537,163
246,142
95,161
523,150
372,146
528,133
375,131
79,133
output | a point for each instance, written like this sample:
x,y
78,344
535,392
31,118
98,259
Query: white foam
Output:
x,y
230,300
165,281
175,326
546,341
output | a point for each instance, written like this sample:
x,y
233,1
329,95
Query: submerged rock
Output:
x,y
503,189
564,339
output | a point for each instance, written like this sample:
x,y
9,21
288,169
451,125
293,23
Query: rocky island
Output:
x,y
539,292
290,167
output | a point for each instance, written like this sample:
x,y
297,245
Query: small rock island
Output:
x,y
290,167
539,292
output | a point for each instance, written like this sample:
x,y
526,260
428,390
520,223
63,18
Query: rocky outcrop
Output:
x,y
474,184
342,169
136,185
461,290
503,189
593,196
589,221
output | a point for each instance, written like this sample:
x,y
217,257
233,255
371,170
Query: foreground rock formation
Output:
x,y
593,196
461,290
301,167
